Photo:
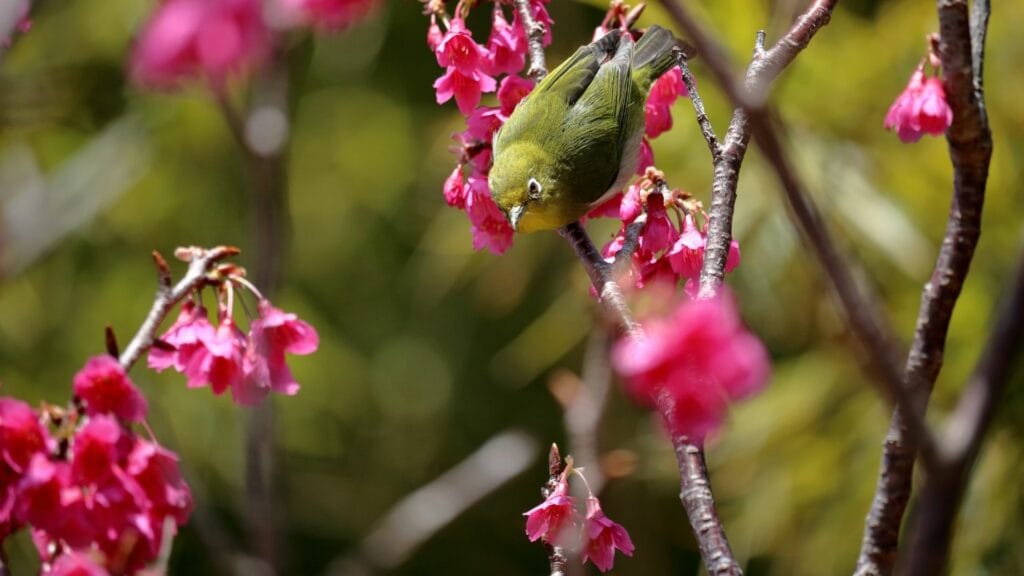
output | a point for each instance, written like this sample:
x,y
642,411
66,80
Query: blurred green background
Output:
x,y
429,349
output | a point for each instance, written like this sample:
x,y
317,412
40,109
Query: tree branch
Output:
x,y
942,494
168,296
534,40
599,272
962,48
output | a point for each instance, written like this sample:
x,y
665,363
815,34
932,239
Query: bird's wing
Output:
x,y
572,78
599,125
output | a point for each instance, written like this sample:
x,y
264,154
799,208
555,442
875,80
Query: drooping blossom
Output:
x,y
271,336
182,340
551,519
219,362
211,39
21,438
920,109
602,537
506,47
490,227
251,364
106,389
95,448
687,254
331,15
464,61
692,363
455,188
664,92
511,91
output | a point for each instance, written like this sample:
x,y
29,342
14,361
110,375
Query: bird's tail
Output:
x,y
653,55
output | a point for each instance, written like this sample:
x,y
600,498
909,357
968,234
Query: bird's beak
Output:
x,y
515,214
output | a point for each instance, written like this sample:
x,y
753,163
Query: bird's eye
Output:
x,y
533,188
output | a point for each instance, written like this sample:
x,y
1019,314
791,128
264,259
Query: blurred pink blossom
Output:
x,y
332,15
692,363
106,389
210,39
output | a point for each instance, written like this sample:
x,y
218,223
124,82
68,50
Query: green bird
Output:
x,y
575,139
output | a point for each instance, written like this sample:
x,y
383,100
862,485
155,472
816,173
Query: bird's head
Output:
x,y
523,185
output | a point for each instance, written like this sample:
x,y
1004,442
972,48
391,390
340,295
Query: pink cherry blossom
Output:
x,y
920,109
513,89
506,47
94,451
607,209
646,157
687,254
659,233
157,473
482,123
658,119
184,338
200,38
220,362
931,114
692,363
465,88
271,336
106,389
550,519
602,536
76,564
21,437
490,228
458,49
632,205
668,88
329,14
455,189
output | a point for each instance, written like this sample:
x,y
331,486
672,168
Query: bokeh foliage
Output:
x,y
428,348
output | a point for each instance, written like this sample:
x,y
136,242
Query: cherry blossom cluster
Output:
x,y
97,496
670,247
692,363
249,364
214,40
472,69
557,521
921,108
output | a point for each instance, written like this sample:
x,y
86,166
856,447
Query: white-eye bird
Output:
x,y
575,139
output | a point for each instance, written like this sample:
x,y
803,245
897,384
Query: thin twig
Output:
x,y
699,502
698,106
534,40
630,244
599,272
931,538
167,297
962,48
